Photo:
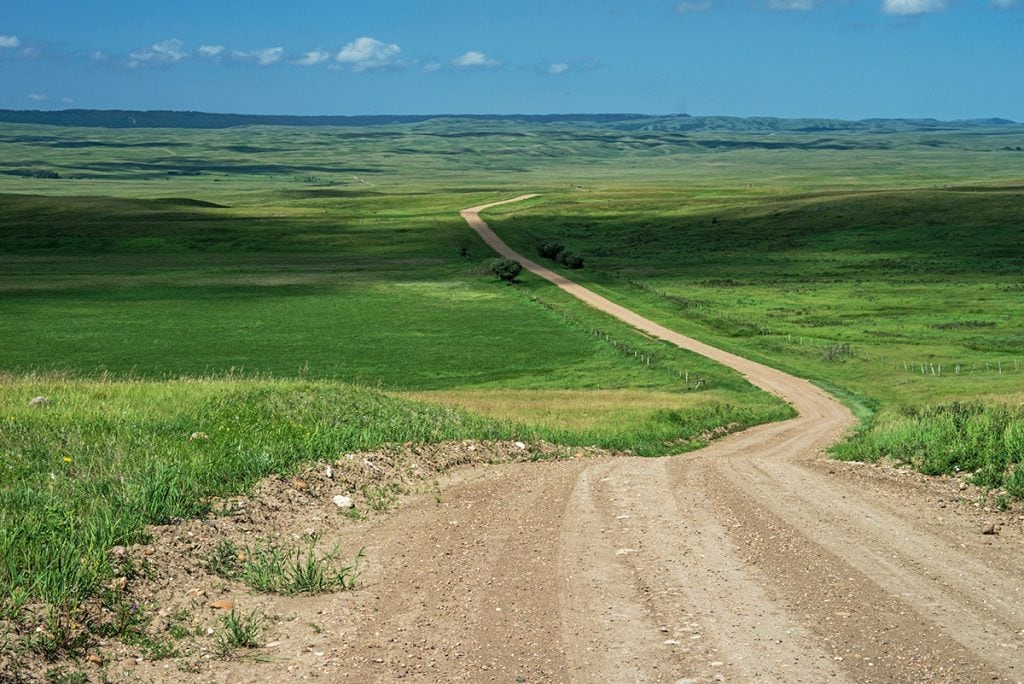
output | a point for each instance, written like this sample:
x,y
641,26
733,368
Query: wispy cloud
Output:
x,y
474,60
566,66
264,57
38,97
1004,4
688,6
431,67
369,53
164,52
9,41
791,5
313,57
210,51
912,7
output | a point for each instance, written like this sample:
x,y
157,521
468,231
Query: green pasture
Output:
x,y
898,301
322,283
897,297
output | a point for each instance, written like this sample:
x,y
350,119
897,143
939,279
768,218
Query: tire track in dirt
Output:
x,y
793,577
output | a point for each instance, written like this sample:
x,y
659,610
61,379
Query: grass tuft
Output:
x,y
238,631
278,570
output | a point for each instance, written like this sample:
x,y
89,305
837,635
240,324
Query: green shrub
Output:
x,y
570,260
506,269
550,250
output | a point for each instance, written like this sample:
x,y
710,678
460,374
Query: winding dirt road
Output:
x,y
754,559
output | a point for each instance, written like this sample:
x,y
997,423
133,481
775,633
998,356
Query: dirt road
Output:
x,y
754,559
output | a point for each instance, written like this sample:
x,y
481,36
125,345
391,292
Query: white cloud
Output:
x,y
431,67
1004,4
313,57
474,59
36,97
210,51
574,65
791,5
369,53
910,7
264,57
164,52
9,41
99,56
67,100
687,6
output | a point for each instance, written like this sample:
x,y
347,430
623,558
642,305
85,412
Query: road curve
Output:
x,y
810,402
751,553
754,559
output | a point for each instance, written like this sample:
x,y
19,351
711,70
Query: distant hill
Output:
x,y
96,118
118,118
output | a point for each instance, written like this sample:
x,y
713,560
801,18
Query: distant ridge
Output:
x,y
117,118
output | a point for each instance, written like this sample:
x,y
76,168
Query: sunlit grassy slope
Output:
x,y
324,254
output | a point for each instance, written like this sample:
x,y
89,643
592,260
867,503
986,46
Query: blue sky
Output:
x,y
822,58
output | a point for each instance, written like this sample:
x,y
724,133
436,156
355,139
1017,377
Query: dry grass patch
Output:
x,y
576,410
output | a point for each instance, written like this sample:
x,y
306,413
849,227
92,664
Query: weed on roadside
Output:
x,y
381,498
278,570
224,560
238,631
61,634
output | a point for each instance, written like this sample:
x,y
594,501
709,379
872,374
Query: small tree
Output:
x,y
506,269
550,250
570,260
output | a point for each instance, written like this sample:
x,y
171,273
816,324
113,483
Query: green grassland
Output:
x,y
323,284
907,303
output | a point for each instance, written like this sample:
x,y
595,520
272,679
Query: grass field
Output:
x,y
322,284
897,300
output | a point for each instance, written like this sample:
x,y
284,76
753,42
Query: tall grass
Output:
x,y
105,459
985,441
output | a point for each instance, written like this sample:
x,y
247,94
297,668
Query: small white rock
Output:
x,y
672,642
343,502
520,445
329,472
37,402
